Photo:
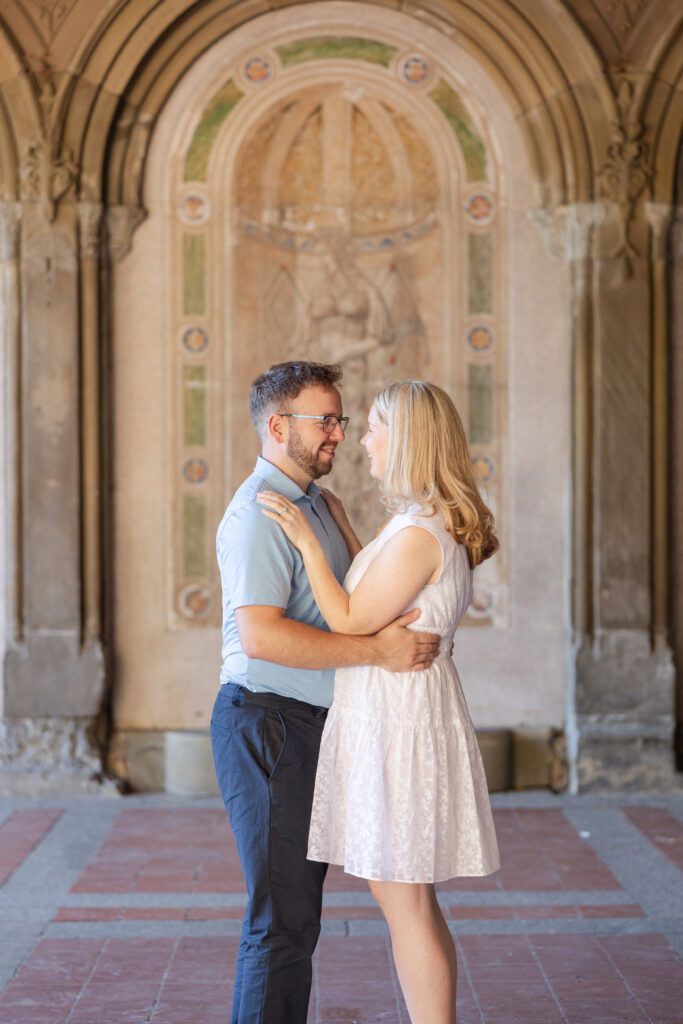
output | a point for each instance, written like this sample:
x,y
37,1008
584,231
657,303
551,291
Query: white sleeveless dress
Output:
x,y
400,791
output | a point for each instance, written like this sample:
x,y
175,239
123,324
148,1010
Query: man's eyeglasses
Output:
x,y
328,423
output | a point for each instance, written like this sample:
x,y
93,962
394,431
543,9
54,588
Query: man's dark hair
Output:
x,y
282,383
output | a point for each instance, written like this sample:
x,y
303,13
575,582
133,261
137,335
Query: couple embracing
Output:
x,y
387,780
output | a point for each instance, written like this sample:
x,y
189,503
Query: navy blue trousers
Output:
x,y
265,750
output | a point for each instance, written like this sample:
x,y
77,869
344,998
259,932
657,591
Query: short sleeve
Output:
x,y
255,559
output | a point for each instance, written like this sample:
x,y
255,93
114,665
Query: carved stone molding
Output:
x,y
627,171
90,229
568,231
10,221
49,15
122,222
46,177
677,234
660,217
622,15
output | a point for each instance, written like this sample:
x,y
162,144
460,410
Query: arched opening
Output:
x,y
334,195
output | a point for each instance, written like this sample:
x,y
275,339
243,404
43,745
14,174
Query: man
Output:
x,y
276,685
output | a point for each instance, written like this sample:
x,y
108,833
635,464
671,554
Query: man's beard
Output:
x,y
305,459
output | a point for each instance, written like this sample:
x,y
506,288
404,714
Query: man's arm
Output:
x,y
266,634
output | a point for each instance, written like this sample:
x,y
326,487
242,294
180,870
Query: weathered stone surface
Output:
x,y
623,679
138,756
51,675
615,761
51,756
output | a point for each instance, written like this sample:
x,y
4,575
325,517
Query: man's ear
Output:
x,y
276,428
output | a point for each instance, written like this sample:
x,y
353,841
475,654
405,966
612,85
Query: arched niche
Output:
x,y
185,350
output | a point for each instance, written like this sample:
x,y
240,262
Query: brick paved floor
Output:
x,y
124,911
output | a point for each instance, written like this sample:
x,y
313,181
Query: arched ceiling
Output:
x,y
100,106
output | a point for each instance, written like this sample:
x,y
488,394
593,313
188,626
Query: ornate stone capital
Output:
x,y
627,171
46,177
568,231
121,224
10,221
89,225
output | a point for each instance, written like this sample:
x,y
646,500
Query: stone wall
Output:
x,y
582,106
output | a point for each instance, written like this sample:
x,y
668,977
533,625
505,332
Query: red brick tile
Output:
x,y
133,960
153,914
89,914
540,849
661,828
352,913
617,910
200,960
215,914
531,913
191,1003
479,913
165,851
116,1003
20,834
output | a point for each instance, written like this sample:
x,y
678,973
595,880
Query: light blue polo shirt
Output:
x,y
259,565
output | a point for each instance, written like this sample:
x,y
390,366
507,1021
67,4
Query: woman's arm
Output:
x,y
338,513
408,561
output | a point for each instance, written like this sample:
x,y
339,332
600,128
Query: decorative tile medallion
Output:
x,y
483,466
195,340
194,209
414,70
195,601
480,338
258,70
195,470
480,208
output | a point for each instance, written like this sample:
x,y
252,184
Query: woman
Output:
x,y
401,797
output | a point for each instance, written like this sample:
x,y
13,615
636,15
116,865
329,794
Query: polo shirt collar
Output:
x,y
284,484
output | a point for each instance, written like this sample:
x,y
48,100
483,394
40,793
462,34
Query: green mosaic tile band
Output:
x,y
472,146
215,113
194,274
480,393
194,405
336,48
194,535
480,273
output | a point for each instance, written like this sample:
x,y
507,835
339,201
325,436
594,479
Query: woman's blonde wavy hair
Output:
x,y
429,463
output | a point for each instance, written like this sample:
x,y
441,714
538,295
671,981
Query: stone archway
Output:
x,y
413,205
597,105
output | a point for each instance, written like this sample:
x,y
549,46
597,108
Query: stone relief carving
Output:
x,y
50,14
627,172
622,15
338,313
45,176
121,222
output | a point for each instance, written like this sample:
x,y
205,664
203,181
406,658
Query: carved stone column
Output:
x,y
621,699
53,667
11,602
624,669
675,551
50,672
